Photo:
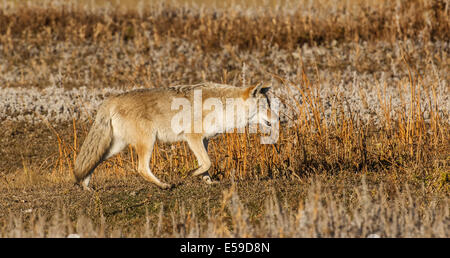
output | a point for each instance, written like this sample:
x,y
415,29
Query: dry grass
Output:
x,y
333,173
331,210
148,48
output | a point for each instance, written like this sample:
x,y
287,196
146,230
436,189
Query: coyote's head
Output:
x,y
260,106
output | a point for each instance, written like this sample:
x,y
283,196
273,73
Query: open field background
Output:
x,y
364,145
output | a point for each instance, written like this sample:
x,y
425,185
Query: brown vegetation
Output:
x,y
336,175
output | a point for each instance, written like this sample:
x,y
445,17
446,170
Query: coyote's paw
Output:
x,y
209,181
87,188
167,186
83,187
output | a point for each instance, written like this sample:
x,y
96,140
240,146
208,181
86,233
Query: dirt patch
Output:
x,y
22,144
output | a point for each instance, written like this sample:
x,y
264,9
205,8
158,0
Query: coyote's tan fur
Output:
x,y
141,117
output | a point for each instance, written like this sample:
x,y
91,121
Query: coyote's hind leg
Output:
x,y
144,152
116,146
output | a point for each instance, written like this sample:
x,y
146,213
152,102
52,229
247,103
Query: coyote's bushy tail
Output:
x,y
95,145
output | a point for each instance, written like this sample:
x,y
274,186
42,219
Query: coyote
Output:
x,y
140,117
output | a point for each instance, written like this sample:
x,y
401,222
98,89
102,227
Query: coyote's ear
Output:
x,y
260,89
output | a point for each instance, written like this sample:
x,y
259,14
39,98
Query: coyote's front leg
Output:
x,y
199,146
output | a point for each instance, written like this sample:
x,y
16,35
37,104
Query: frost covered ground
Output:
x,y
357,99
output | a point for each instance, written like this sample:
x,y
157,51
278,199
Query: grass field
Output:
x,y
364,144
